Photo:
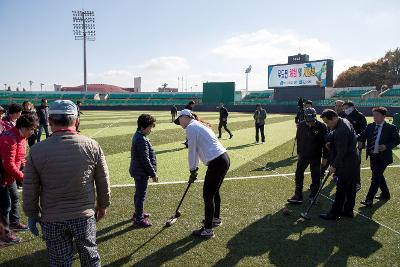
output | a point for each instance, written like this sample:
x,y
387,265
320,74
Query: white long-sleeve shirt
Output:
x,y
203,144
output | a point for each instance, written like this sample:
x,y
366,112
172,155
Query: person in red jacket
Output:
x,y
12,155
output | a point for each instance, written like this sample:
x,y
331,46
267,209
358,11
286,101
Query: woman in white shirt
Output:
x,y
204,145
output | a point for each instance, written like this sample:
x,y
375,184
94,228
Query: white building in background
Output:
x,y
137,84
57,87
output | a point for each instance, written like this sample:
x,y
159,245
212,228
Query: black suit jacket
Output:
x,y
389,137
358,120
345,144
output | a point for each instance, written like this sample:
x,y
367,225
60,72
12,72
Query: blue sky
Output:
x,y
201,40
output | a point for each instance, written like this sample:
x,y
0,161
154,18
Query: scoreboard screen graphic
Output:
x,y
310,74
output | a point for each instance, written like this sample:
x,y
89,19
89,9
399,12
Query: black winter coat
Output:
x,y
143,157
311,140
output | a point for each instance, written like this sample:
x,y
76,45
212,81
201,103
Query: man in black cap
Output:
x,y
300,113
190,105
174,112
310,139
223,121
346,165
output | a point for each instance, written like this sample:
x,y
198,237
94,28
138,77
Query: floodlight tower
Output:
x,y
247,71
84,29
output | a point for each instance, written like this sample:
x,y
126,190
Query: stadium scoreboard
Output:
x,y
317,73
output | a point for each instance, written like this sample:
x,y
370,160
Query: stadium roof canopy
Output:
x,y
96,88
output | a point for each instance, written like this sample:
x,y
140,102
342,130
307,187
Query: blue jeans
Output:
x,y
9,204
140,196
46,130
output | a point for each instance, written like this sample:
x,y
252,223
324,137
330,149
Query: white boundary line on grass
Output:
x,y
233,178
201,181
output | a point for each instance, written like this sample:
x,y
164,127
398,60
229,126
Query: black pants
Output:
x,y
173,115
378,179
315,167
215,175
260,128
358,176
32,139
223,124
345,198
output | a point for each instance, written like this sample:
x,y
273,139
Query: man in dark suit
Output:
x,y
381,138
345,165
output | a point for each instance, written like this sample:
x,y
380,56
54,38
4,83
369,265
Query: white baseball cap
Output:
x,y
183,112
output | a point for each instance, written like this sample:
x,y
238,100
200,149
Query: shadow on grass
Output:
x,y
241,146
169,150
112,227
369,211
287,241
278,164
38,258
162,255
116,234
170,252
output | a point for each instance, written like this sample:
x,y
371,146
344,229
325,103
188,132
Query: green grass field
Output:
x,y
254,233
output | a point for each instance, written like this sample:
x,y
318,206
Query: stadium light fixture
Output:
x,y
84,29
247,71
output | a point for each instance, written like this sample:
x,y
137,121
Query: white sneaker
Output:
x,y
262,143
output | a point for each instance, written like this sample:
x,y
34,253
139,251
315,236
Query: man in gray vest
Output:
x,y
259,117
